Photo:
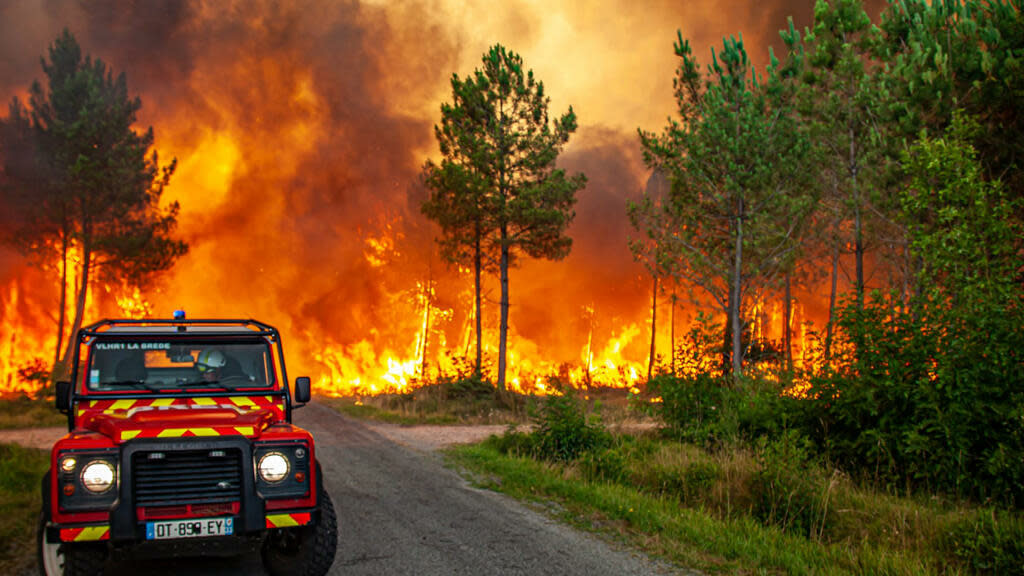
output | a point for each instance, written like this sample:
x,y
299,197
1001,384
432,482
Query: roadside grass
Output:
x,y
21,470
461,403
25,412
733,511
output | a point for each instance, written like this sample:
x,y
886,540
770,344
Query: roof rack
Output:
x,y
250,326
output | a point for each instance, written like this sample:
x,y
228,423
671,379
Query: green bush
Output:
x,y
990,543
790,489
691,407
514,443
564,430
21,470
608,464
467,387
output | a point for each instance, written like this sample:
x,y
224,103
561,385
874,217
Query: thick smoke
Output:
x,y
300,129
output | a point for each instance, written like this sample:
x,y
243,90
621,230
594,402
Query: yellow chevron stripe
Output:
x,y
91,533
162,402
129,434
245,430
122,405
282,520
172,433
242,401
203,432
204,401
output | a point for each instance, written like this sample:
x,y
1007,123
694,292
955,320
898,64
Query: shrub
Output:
x,y
467,387
989,543
514,443
564,431
691,406
608,464
790,489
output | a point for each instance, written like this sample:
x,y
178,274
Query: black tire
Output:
x,y
49,557
66,559
306,551
84,559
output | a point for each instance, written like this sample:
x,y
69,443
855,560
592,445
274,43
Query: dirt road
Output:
x,y
400,511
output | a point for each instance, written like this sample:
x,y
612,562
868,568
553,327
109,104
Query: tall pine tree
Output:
x,y
497,192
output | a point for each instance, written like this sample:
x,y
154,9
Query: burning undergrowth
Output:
x,y
300,130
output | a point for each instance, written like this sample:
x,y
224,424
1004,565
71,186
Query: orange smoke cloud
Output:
x,y
300,130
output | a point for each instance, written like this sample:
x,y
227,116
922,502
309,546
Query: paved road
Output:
x,y
401,512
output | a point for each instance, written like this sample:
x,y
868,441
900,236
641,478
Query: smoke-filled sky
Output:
x,y
300,129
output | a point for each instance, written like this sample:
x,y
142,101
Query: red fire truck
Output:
x,y
180,441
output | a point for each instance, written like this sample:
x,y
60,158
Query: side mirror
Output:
x,y
303,390
64,396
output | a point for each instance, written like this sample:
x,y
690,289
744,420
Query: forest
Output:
x,y
892,141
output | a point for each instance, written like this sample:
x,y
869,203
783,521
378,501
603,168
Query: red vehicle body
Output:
x,y
180,439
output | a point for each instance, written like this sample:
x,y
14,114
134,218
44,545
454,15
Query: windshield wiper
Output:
x,y
197,383
137,384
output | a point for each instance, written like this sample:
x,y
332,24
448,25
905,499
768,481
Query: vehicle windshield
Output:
x,y
157,365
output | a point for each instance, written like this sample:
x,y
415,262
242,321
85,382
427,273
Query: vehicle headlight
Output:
x,y
98,476
67,465
273,467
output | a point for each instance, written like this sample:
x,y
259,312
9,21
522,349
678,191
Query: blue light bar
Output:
x,y
179,314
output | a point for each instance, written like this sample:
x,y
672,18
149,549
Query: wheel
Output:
x,y
64,559
51,556
305,551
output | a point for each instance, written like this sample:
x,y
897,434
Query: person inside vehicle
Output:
x,y
209,363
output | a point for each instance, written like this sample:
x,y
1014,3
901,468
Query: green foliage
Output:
x,y
472,387
701,510
564,430
737,202
25,412
958,54
788,486
497,191
85,178
988,543
20,472
604,463
691,406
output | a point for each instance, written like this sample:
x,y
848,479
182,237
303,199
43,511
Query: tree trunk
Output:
x,y
477,265
672,331
734,298
83,289
830,326
858,239
426,325
62,313
787,333
503,326
654,325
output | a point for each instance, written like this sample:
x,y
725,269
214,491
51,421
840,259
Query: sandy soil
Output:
x,y
42,438
425,438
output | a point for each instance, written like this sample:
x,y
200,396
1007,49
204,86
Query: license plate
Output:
x,y
193,528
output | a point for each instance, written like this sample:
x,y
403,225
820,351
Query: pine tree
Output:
x,y
498,187
97,184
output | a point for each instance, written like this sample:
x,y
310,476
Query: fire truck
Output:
x,y
180,442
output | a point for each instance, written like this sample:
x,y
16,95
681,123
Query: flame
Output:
x,y
300,135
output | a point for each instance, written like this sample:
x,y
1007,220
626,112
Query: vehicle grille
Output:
x,y
168,478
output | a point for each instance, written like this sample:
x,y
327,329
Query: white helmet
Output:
x,y
210,360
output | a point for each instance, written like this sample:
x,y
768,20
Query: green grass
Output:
x,y
351,407
24,412
705,510
450,403
20,472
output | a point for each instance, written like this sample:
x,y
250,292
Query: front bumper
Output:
x,y
125,527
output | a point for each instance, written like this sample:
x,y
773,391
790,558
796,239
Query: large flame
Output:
x,y
300,130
